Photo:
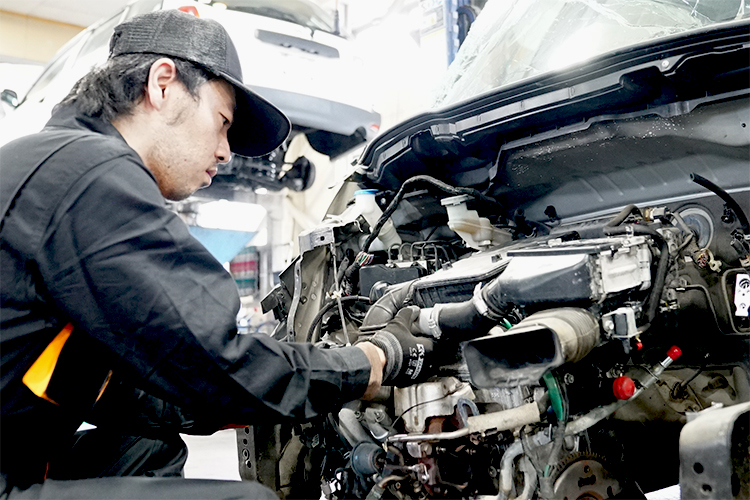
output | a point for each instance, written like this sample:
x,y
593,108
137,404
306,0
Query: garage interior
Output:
x,y
404,48
604,163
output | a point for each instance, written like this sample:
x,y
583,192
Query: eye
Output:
x,y
225,122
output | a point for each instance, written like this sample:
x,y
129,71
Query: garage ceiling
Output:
x,y
77,12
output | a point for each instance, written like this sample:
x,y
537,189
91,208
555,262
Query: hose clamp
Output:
x,y
481,305
429,321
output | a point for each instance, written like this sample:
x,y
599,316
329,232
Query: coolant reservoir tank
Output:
x,y
365,202
477,232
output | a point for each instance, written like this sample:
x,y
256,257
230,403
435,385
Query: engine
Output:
x,y
571,354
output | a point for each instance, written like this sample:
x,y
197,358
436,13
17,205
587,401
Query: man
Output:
x,y
105,291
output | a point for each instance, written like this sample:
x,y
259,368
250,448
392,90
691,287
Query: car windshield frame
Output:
x,y
516,40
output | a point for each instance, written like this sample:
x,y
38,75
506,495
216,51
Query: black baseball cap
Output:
x,y
258,127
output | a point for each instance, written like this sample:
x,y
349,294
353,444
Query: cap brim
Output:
x,y
258,126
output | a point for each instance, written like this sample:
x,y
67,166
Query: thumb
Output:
x,y
408,314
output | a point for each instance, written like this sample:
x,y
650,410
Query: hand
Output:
x,y
408,357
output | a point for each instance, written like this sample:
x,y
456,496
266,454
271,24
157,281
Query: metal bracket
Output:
x,y
714,450
295,300
314,238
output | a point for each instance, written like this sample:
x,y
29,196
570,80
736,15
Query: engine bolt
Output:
x,y
492,472
569,378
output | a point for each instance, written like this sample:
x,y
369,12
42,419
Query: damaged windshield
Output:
x,y
517,39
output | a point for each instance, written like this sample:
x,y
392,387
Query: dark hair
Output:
x,y
115,88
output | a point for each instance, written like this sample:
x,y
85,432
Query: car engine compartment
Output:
x,y
588,285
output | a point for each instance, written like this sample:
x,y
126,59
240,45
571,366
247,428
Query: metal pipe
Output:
x,y
438,436
496,421
529,479
506,469
597,414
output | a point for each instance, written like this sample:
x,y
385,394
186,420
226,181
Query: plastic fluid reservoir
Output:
x,y
368,207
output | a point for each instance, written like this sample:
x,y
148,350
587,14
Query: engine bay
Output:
x,y
586,273
555,332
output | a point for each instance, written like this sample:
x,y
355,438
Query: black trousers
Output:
x,y
137,488
107,453
106,464
135,453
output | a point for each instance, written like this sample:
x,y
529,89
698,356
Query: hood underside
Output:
x,y
628,127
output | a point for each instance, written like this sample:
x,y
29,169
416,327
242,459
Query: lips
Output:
x,y
210,174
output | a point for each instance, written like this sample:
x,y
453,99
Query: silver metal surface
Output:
x,y
709,466
317,237
295,299
419,402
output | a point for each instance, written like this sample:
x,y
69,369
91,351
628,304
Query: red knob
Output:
x,y
623,387
674,352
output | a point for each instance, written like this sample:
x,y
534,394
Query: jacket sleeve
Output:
x,y
127,272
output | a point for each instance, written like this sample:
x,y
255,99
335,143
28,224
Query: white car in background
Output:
x,y
17,77
291,53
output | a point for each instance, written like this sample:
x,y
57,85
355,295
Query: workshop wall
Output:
x,y
30,38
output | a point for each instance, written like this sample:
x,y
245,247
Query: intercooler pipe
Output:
x,y
385,308
531,348
456,321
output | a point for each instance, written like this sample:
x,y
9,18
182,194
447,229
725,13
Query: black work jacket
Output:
x,y
88,240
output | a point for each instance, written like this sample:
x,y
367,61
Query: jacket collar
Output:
x,y
68,116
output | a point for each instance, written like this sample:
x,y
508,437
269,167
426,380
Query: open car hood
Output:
x,y
627,127
563,238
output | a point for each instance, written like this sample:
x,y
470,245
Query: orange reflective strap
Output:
x,y
38,376
104,385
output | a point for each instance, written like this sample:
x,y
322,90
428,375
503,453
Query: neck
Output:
x,y
138,134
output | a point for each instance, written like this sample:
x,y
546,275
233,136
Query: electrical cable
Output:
x,y
351,298
731,202
447,188
623,214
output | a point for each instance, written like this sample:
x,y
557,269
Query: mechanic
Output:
x,y
107,297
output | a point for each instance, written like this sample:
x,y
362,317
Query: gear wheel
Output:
x,y
584,476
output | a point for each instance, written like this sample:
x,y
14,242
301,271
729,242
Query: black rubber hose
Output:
x,y
328,307
462,321
657,287
622,215
406,186
386,307
491,295
731,203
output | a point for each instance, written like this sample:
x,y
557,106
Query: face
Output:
x,y
193,139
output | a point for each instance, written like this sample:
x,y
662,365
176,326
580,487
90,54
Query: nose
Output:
x,y
223,154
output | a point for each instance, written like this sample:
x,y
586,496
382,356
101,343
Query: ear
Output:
x,y
161,76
